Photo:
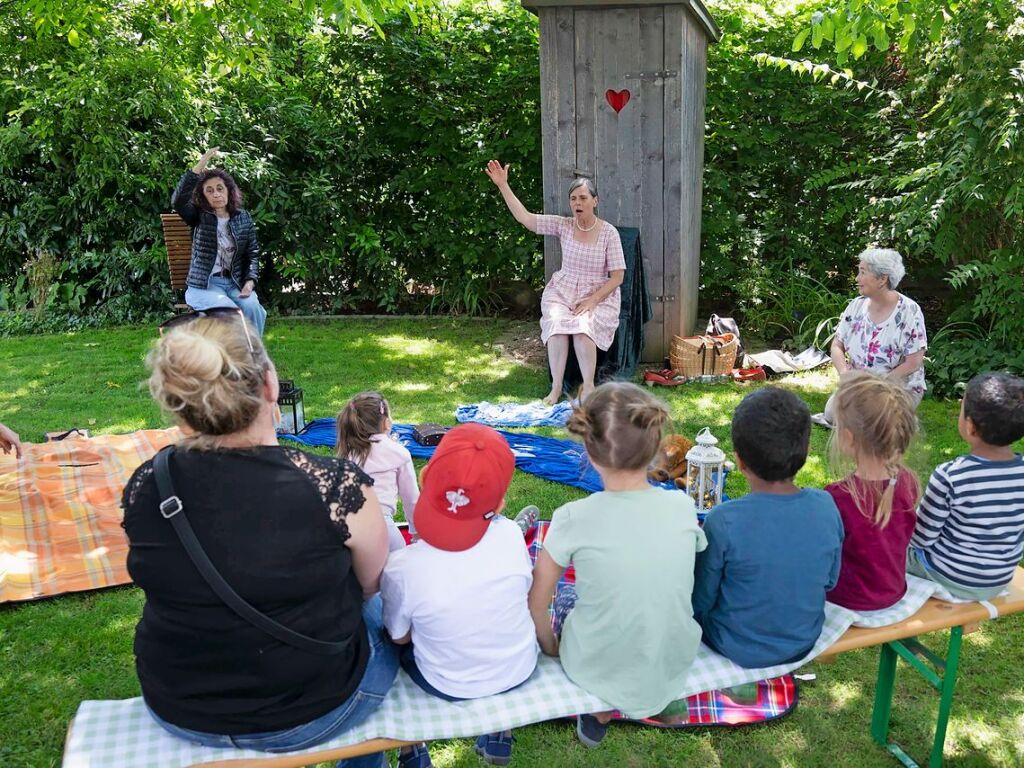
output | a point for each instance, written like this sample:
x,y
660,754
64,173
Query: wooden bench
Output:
x,y
899,641
178,239
896,640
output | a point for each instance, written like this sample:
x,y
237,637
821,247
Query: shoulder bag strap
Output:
x,y
171,508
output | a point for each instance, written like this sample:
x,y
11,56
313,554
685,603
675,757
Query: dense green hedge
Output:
x,y
361,157
361,154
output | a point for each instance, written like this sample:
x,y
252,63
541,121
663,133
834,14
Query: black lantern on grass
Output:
x,y
293,415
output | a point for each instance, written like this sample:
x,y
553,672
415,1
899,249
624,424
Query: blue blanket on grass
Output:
x,y
535,414
561,461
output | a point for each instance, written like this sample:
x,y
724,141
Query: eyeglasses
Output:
x,y
214,313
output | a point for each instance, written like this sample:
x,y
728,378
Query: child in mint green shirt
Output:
x,y
627,632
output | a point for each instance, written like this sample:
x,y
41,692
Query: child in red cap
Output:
x,y
456,599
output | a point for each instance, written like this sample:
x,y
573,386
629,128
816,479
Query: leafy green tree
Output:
x,y
949,190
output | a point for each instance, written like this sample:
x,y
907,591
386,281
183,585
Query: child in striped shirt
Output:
x,y
970,523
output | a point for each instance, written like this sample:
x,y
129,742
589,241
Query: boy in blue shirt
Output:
x,y
774,553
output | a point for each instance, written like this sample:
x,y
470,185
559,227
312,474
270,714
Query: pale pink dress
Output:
x,y
585,268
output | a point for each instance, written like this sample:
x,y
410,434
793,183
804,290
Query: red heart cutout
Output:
x,y
617,99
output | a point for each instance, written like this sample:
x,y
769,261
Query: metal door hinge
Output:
x,y
656,77
663,298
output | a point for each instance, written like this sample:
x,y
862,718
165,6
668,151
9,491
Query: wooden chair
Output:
x,y
178,238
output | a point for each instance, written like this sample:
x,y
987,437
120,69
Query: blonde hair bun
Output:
x,y
620,425
204,375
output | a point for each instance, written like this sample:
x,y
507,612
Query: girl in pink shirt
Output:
x,y
875,420
364,437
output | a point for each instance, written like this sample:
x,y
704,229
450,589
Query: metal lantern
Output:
x,y
705,471
293,415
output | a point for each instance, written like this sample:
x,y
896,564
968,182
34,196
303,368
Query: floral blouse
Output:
x,y
882,347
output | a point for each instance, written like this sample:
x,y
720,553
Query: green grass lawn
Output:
x,y
55,653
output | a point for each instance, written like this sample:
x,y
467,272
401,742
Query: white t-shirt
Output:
x,y
471,628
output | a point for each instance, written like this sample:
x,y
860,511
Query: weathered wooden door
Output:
x,y
645,158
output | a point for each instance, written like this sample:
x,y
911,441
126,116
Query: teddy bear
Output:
x,y
670,462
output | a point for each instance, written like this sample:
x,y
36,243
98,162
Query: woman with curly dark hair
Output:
x,y
225,252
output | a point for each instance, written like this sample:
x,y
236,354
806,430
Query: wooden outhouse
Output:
x,y
622,103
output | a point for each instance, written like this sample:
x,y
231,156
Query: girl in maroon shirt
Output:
x,y
875,420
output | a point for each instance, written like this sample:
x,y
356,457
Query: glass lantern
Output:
x,y
705,471
293,415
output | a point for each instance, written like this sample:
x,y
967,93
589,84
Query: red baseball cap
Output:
x,y
463,486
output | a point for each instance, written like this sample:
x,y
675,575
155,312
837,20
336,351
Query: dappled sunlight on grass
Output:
x,y
410,386
843,694
411,347
979,638
968,730
818,380
453,753
132,425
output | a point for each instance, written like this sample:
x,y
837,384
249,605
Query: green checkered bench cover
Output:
x,y
121,733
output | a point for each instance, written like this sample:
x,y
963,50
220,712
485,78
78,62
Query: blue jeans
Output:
x,y
377,679
565,601
919,565
408,661
222,292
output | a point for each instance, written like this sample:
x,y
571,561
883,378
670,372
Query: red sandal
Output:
x,y
666,377
749,374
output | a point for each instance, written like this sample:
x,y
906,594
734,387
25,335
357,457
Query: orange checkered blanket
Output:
x,y
60,513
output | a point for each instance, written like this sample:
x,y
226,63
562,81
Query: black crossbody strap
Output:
x,y
172,510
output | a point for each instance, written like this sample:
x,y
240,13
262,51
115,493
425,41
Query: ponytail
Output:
x,y
361,418
882,422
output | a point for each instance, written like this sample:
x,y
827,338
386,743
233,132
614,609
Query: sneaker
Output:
x,y
821,421
495,748
589,730
417,757
526,518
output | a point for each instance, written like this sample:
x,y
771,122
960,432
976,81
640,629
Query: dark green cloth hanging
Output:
x,y
620,361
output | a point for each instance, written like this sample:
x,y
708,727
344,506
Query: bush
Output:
x,y
778,246
361,157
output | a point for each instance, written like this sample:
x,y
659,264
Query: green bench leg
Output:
x,y
883,696
946,695
916,656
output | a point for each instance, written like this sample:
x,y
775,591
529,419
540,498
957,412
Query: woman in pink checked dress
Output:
x,y
581,301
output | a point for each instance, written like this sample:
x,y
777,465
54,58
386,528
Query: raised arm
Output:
x,y
181,199
499,175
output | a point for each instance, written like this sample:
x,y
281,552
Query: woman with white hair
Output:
x,y
881,330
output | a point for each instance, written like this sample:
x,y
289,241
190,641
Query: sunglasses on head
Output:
x,y
214,313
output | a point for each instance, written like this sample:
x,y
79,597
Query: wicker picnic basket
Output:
x,y
693,356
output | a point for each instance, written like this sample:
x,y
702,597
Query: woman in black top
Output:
x,y
225,252
300,537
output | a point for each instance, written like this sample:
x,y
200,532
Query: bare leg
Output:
x,y
558,353
586,354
